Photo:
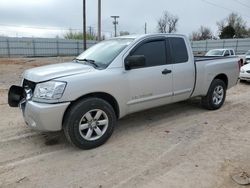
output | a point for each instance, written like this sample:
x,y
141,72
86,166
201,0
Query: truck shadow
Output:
x,y
157,115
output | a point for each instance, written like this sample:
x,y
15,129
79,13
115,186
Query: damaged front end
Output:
x,y
19,95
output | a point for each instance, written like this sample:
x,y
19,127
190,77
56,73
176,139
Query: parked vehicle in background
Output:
x,y
247,55
225,53
221,52
118,77
245,72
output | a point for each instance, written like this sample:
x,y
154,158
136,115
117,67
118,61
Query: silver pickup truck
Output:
x,y
117,77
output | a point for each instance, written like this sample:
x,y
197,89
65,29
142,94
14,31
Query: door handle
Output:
x,y
166,71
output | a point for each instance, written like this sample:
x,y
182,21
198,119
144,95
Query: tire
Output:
x,y
89,123
216,95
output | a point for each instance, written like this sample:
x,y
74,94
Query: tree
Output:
x,y
203,33
79,35
227,32
236,22
167,23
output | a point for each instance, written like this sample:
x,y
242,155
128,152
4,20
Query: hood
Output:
x,y
48,72
246,67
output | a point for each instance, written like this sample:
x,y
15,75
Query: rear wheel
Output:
x,y
89,123
216,95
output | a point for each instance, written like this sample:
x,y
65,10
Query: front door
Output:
x,y
151,85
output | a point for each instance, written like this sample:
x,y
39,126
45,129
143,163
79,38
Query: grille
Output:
x,y
29,84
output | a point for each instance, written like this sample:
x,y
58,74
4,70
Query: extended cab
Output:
x,y
118,77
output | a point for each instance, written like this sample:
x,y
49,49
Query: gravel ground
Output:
x,y
178,145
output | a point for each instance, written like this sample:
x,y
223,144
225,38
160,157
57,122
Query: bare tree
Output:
x,y
167,23
203,33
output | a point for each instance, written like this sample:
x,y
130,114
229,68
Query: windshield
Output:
x,y
103,53
215,53
248,53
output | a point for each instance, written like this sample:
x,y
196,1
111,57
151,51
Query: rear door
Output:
x,y
183,69
151,85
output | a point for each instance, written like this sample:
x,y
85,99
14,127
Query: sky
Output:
x,y
50,18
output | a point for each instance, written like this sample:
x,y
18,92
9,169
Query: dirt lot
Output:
x,y
179,145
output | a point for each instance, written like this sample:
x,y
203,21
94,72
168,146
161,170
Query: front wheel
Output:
x,y
89,123
216,95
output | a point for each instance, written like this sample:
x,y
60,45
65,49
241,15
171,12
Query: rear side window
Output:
x,y
232,52
154,52
179,50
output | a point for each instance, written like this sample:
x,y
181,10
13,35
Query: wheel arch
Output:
x,y
222,77
102,95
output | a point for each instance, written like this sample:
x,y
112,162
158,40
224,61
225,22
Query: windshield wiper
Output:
x,y
90,61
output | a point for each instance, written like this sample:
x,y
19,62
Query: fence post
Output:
x,y
236,49
223,44
57,47
8,47
206,45
34,47
78,50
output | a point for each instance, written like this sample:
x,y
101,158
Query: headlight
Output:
x,y
242,70
51,90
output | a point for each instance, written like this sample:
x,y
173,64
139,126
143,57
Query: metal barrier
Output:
x,y
240,46
40,47
45,47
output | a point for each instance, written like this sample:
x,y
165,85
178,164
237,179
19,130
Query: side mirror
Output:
x,y
135,61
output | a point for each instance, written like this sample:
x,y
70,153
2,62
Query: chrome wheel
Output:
x,y
218,95
93,124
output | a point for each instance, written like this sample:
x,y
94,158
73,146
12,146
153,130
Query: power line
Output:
x,y
225,8
248,6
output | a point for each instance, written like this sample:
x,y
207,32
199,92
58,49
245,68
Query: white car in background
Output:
x,y
245,73
247,55
226,53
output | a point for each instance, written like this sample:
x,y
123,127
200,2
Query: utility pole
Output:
x,y
145,28
115,22
99,20
90,31
84,26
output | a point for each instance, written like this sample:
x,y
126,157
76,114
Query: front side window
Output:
x,y
227,53
103,53
215,53
179,50
154,52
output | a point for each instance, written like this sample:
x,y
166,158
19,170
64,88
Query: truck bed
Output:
x,y
207,68
205,58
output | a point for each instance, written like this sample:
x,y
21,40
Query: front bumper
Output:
x,y
39,116
44,117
